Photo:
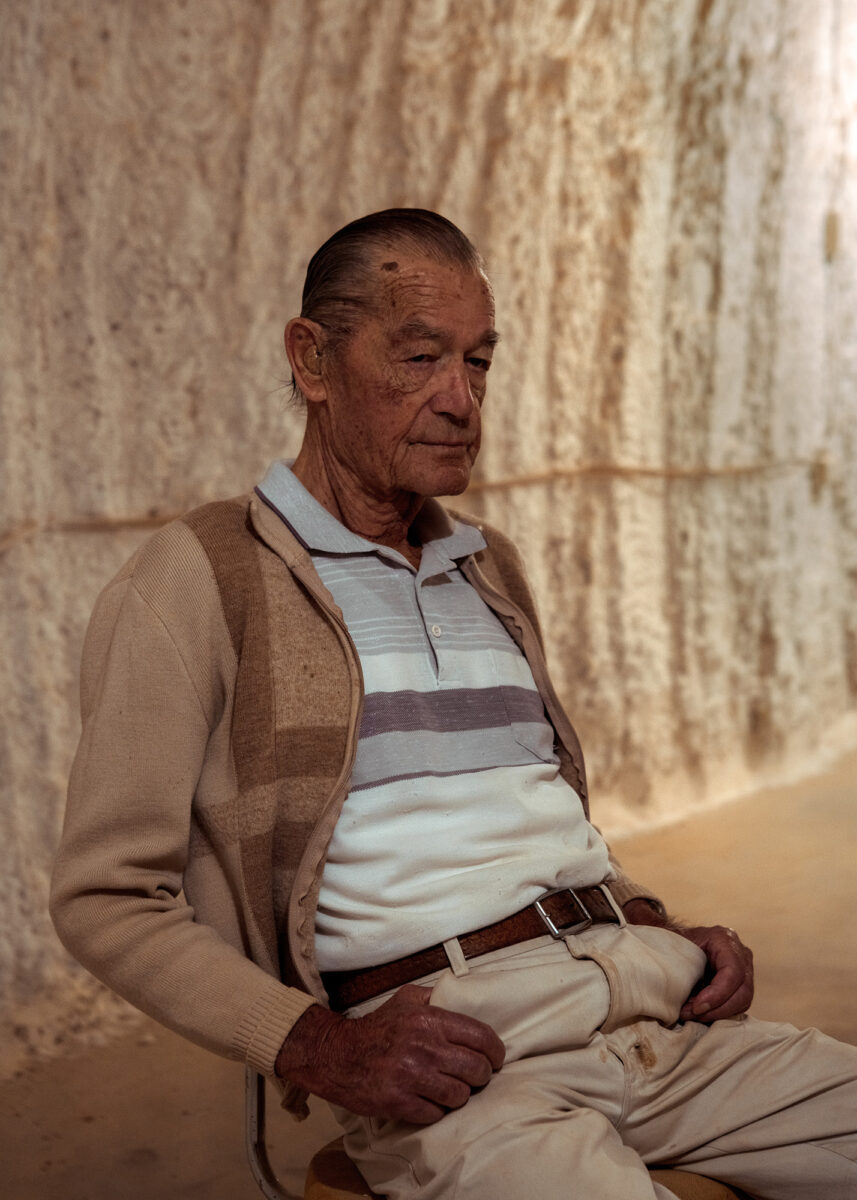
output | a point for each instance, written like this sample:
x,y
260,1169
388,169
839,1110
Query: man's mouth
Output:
x,y
447,445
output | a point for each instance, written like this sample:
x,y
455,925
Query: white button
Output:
x,y
436,631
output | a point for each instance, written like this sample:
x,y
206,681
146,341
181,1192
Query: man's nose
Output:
x,y
455,396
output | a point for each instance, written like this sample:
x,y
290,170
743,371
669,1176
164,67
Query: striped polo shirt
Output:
x,y
456,814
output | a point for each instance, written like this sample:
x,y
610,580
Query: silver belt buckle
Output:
x,y
562,931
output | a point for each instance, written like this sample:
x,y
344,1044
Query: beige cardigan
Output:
x,y
221,697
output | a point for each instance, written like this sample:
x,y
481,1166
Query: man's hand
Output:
x,y
406,1060
727,988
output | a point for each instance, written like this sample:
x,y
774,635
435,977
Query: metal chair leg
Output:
x,y
254,1134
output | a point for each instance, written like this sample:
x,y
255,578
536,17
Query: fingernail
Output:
x,y
701,1009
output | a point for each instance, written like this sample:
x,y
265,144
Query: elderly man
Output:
x,y
328,816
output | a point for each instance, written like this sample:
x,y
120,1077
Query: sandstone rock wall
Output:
x,y
665,193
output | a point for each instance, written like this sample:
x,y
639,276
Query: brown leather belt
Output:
x,y
558,913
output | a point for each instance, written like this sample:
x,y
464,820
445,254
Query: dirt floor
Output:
x,y
150,1116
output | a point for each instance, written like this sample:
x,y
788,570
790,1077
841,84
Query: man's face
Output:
x,y
404,396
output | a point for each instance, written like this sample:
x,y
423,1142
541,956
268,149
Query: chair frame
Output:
x,y
254,1138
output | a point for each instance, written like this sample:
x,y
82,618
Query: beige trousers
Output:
x,y
599,1081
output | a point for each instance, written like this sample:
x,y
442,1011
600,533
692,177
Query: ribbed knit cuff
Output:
x,y
267,1024
623,889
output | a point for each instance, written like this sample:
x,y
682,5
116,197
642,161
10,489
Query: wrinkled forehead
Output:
x,y
405,283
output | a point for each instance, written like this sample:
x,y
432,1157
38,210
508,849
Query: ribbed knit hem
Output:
x,y
623,890
267,1024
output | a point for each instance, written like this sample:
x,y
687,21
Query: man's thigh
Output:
x,y
766,1106
529,1135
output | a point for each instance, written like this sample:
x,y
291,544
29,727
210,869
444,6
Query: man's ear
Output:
x,y
303,339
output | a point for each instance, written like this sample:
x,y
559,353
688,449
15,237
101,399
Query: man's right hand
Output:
x,y
406,1060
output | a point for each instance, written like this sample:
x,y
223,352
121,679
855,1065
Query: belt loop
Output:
x,y
457,961
617,908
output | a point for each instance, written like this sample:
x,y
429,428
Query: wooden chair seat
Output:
x,y
333,1176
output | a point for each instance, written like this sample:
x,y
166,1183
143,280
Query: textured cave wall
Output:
x,y
690,482
665,193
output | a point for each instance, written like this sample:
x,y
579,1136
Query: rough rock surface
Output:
x,y
665,194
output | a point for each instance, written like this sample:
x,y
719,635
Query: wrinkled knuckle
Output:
x,y
482,1073
457,1094
473,1069
416,1112
426,1018
404,1069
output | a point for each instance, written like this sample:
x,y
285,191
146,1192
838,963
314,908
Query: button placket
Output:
x,y
434,568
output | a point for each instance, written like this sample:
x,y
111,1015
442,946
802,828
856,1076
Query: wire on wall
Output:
x,y
818,468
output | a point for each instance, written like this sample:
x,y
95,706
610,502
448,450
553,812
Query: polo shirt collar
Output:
x,y
319,531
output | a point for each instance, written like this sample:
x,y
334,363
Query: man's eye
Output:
x,y
481,364
421,358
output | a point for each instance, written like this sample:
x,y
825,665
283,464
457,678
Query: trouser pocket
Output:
x,y
650,971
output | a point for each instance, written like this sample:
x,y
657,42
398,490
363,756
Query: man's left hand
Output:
x,y
727,988
730,991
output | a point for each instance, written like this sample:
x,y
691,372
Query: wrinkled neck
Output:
x,y
385,518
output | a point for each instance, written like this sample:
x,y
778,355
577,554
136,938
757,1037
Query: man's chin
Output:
x,y
453,484
449,482
449,473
